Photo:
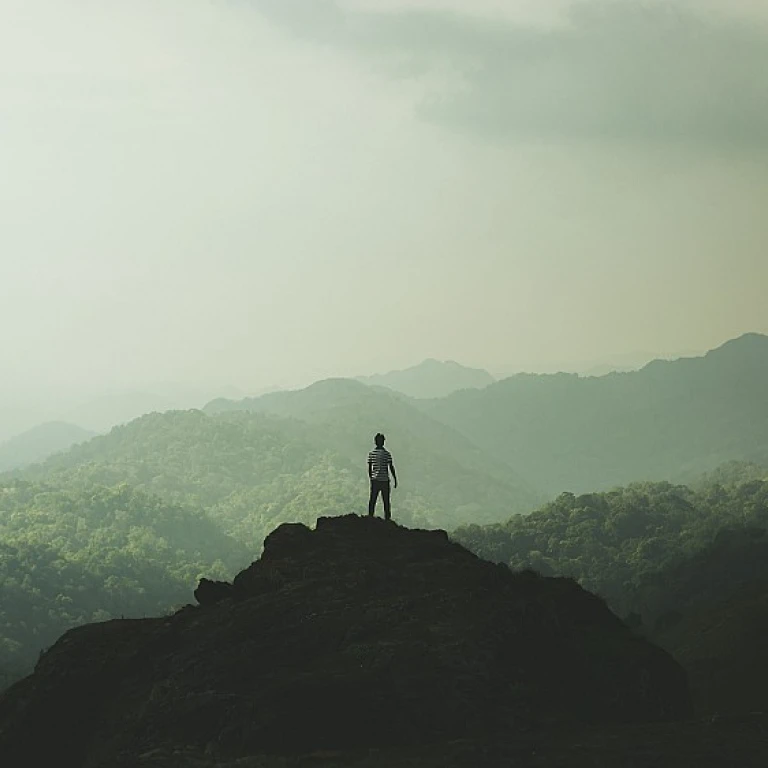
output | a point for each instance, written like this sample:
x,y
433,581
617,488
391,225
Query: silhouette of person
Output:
x,y
379,466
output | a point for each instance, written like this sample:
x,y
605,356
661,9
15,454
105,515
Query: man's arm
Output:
x,y
370,468
392,470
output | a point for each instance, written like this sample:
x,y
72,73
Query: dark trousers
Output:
x,y
380,486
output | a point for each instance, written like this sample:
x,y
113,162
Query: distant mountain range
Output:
x,y
524,438
431,378
40,442
670,420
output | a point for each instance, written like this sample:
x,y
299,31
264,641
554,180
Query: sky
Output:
x,y
204,195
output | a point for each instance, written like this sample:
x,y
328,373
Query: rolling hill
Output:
x,y
433,460
293,457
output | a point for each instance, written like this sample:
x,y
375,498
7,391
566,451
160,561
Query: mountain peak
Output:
x,y
431,378
357,634
748,343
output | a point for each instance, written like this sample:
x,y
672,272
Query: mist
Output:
x,y
245,194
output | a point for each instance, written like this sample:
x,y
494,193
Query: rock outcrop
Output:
x,y
359,634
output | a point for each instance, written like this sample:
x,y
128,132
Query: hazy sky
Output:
x,y
249,192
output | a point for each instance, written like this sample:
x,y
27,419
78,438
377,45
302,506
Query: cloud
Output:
x,y
616,71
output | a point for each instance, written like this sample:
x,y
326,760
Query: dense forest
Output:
x,y
68,557
253,470
247,472
612,541
686,567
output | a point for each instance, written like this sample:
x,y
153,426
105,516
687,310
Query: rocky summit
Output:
x,y
352,638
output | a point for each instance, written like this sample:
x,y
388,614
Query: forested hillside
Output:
x,y
611,542
252,471
669,421
687,568
438,466
248,472
126,523
75,555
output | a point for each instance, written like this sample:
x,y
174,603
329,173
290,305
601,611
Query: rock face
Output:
x,y
357,634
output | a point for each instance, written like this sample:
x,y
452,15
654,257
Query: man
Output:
x,y
379,466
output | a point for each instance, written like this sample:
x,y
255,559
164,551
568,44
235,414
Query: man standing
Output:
x,y
379,466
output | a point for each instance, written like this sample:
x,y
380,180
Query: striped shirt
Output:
x,y
380,460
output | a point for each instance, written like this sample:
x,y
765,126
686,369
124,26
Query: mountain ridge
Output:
x,y
669,420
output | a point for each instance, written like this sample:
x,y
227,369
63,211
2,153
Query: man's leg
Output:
x,y
373,497
385,495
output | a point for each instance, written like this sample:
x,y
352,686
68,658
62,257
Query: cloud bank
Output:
x,y
626,71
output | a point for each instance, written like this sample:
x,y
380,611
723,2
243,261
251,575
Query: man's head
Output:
x,y
379,440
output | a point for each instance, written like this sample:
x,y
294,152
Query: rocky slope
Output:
x,y
358,635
